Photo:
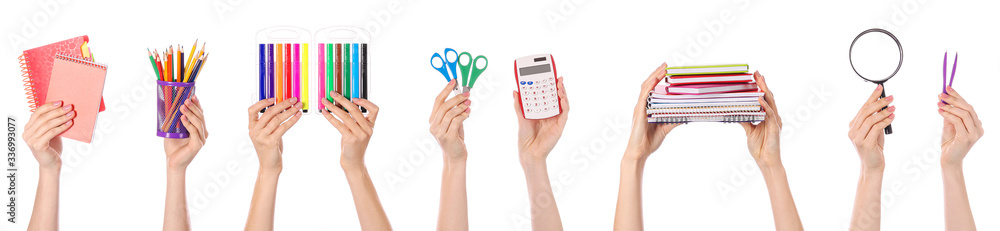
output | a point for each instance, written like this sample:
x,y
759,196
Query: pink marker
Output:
x,y
322,76
296,83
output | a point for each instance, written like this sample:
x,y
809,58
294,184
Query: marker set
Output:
x,y
289,57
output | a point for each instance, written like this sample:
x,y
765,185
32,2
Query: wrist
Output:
x,y
352,164
49,171
950,167
456,156
269,170
531,158
634,156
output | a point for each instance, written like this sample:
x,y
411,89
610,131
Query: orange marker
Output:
x,y
279,78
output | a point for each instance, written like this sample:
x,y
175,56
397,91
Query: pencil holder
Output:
x,y
170,97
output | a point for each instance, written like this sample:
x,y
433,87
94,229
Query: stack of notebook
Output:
x,y
65,71
718,93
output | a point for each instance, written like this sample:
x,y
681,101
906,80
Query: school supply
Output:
x,y
341,61
708,69
870,77
175,85
36,67
945,82
701,94
79,82
536,80
464,62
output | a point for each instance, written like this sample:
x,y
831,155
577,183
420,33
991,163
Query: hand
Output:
x,y
962,128
42,131
537,137
762,139
866,130
266,131
646,137
446,122
355,128
180,152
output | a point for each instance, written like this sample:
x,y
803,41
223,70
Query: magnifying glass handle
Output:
x,y
888,129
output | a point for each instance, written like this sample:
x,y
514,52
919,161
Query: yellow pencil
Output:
x,y
202,51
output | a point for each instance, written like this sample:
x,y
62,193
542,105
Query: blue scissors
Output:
x,y
945,82
448,63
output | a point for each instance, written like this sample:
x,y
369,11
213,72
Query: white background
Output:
x,y
605,49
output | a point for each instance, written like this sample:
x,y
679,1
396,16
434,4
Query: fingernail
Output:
x,y
334,93
70,114
889,98
892,116
940,104
878,87
951,89
944,96
298,113
940,110
69,122
184,108
354,100
467,94
468,109
293,99
195,97
57,103
67,107
468,102
892,109
270,100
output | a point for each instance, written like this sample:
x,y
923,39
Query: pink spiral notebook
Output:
x,y
79,82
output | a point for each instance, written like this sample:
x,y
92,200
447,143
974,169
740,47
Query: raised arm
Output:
x,y
962,128
446,126
763,143
266,132
645,138
180,152
355,132
42,136
866,134
535,139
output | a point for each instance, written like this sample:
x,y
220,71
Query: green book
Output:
x,y
708,69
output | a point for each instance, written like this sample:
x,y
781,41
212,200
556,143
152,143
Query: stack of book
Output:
x,y
716,93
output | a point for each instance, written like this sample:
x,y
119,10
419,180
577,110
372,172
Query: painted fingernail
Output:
x,y
940,104
67,107
468,102
878,87
293,99
944,96
940,110
354,100
892,109
69,122
270,100
467,94
57,103
468,109
892,115
71,114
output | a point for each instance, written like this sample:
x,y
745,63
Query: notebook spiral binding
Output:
x,y
725,119
29,83
704,109
81,60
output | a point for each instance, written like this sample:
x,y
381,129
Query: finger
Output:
x,y
955,121
195,125
877,128
651,82
52,133
769,113
45,108
195,109
967,120
870,123
444,94
563,97
956,100
191,128
334,121
455,111
52,114
274,111
871,108
288,124
343,116
254,109
272,125
48,124
355,113
768,95
448,105
372,109
517,105
456,123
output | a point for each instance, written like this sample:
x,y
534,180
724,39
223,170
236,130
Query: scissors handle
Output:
x,y
441,69
465,67
448,54
476,71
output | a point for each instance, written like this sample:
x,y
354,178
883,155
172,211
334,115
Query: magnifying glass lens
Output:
x,y
875,56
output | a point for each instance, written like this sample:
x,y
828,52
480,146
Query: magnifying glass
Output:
x,y
872,56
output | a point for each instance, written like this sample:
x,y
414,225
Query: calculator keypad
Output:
x,y
539,99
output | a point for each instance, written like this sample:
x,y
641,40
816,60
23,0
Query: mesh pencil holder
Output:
x,y
170,97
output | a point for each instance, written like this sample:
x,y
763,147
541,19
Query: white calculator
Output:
x,y
536,83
